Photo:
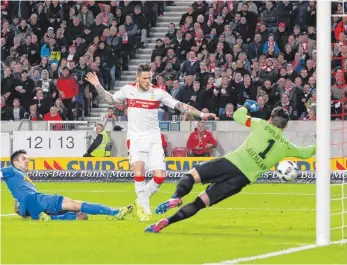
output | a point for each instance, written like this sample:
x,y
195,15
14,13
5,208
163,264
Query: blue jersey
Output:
x,y
19,184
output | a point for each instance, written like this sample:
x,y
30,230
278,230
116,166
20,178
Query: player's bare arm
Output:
x,y
185,108
94,80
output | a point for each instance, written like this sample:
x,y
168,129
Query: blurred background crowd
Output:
x,y
218,55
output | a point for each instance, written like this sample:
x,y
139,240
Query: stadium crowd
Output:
x,y
218,55
47,47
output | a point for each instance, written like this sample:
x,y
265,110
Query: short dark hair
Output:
x,y
16,154
279,117
143,67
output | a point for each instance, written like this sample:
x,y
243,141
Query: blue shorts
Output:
x,y
38,203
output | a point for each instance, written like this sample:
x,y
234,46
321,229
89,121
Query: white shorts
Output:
x,y
149,151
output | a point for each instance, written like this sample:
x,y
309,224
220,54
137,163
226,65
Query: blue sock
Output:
x,y
65,216
98,209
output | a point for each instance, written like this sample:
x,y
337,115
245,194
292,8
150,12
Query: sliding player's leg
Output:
x,y
206,172
95,209
41,206
214,194
70,216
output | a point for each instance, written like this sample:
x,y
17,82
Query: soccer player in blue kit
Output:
x,y
40,206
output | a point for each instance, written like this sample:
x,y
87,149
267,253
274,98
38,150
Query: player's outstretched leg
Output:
x,y
184,186
95,209
185,212
70,216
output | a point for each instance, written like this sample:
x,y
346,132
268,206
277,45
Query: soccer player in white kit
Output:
x,y
145,151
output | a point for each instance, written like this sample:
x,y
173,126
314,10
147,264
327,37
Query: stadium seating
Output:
x,y
179,152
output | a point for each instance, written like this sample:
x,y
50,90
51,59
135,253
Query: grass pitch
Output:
x,y
263,218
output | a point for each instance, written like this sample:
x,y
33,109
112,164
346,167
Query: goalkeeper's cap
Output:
x,y
279,117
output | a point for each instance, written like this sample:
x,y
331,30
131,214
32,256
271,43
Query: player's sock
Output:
x,y
141,191
153,185
65,216
98,209
184,186
187,211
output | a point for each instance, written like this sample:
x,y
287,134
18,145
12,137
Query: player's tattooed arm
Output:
x,y
185,108
105,95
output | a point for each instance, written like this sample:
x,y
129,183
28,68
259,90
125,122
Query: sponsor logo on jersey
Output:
x,y
143,104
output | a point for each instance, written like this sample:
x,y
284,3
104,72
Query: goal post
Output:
x,y
323,170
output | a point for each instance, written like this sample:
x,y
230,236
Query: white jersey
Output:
x,y
143,109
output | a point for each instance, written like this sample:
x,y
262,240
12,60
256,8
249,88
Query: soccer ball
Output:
x,y
287,170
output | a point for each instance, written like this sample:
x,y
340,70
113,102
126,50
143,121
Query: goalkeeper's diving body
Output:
x,y
39,206
228,175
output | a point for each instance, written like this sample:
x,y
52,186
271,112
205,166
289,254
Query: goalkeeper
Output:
x,y
228,175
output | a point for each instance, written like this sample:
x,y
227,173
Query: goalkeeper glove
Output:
x,y
251,105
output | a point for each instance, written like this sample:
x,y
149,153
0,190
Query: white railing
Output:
x,y
70,125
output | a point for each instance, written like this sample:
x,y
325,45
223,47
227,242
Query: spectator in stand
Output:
x,y
52,115
196,99
68,90
185,91
46,84
42,103
110,115
23,29
33,114
16,113
227,114
142,22
171,34
192,65
311,102
190,13
108,63
51,51
24,89
311,116
4,109
61,108
7,83
201,141
269,15
159,50
264,109
86,16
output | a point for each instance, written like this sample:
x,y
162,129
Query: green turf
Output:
x,y
254,222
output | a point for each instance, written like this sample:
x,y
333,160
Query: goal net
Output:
x,y
338,130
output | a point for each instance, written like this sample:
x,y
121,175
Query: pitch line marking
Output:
x,y
276,253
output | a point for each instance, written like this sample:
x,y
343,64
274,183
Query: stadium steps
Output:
x,y
171,15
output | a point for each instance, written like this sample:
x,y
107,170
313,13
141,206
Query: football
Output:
x,y
287,170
